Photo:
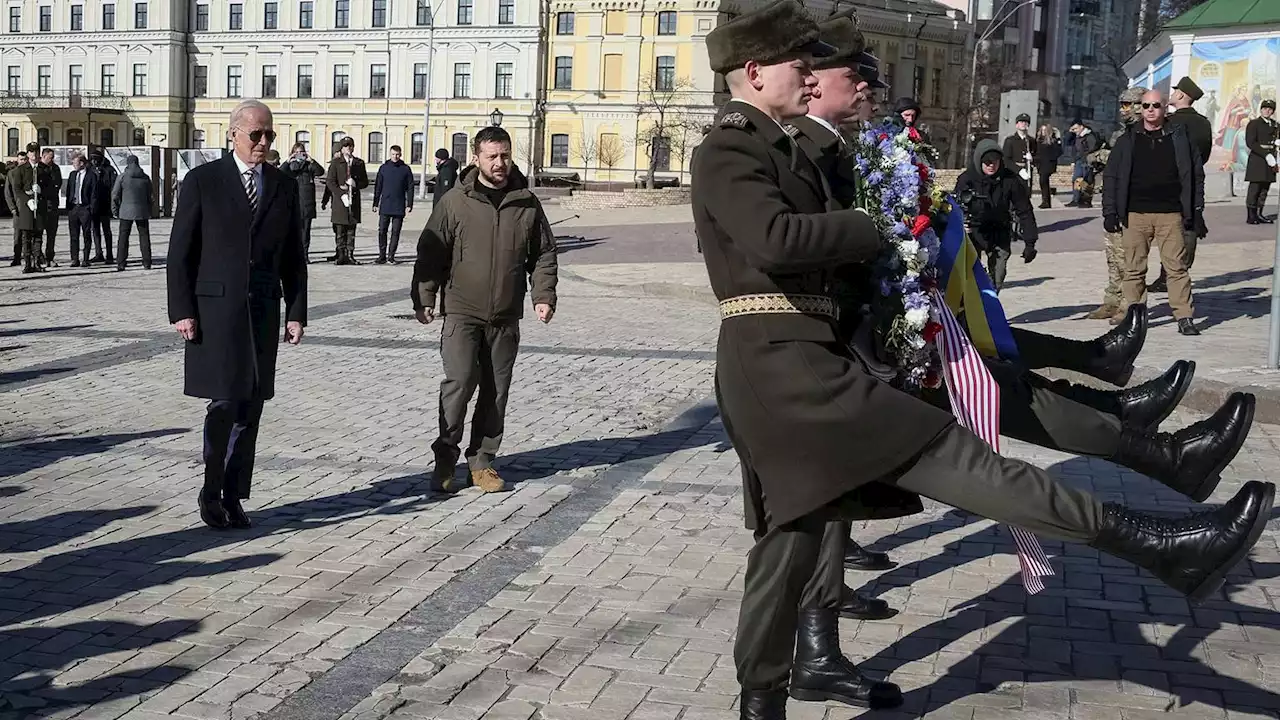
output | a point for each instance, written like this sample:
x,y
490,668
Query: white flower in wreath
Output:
x,y
909,249
916,319
917,341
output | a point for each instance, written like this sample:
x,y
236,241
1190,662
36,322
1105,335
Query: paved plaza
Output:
x,y
604,584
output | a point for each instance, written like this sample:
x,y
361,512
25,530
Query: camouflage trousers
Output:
x,y
1112,248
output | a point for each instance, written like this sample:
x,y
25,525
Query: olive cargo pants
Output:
x,y
476,354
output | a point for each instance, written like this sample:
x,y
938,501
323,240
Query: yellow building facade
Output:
x,y
615,72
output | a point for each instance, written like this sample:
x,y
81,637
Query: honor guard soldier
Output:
x,y
815,431
1260,135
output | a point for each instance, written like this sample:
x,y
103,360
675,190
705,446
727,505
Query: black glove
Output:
x,y
1201,229
1189,223
1111,224
1029,252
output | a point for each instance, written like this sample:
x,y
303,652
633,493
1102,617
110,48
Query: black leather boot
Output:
x,y
1191,554
1252,216
1117,350
1191,459
236,515
857,557
762,705
211,510
860,607
1145,406
822,673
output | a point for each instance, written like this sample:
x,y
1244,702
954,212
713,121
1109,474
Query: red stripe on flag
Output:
x,y
975,401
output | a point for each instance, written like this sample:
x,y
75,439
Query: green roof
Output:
x,y
1227,13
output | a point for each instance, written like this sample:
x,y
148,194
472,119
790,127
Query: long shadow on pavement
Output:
x,y
34,657
44,533
36,454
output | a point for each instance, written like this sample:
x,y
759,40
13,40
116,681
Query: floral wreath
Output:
x,y
899,192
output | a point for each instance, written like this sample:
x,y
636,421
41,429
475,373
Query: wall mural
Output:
x,y
1236,77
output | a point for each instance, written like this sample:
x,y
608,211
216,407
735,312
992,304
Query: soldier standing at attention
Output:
x,y
1112,248
1200,131
24,202
813,429
1260,135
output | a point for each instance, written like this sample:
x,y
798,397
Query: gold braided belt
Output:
x,y
777,304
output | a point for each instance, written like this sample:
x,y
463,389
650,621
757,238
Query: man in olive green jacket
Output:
x,y
486,243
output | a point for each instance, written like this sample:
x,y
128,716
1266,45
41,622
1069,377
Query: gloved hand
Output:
x,y
1190,223
1111,224
1029,252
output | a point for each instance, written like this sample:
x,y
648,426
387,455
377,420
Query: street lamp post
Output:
x,y
996,23
426,105
495,118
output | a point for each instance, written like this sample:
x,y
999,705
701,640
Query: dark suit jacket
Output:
x,y
90,189
229,271
1198,129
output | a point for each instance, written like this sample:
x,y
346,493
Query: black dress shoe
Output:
x,y
1119,348
1191,459
1191,554
821,672
857,557
1187,326
235,513
861,607
762,705
1145,406
213,514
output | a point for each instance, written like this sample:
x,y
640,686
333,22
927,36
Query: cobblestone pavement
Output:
x,y
603,585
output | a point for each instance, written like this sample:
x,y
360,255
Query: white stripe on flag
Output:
x,y
975,401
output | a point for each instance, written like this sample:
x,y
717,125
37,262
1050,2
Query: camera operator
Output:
x,y
992,196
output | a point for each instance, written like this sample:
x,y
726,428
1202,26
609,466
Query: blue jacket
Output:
x,y
393,189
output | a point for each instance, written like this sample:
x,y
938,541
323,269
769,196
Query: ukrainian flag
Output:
x,y
967,287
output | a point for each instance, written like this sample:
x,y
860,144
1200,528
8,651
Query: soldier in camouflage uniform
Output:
x,y
1130,112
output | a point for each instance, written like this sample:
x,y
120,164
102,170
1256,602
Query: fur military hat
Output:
x,y
1189,86
841,32
764,35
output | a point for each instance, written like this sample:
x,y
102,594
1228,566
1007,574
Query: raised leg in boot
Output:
x,y
1109,357
1191,555
1142,407
1191,460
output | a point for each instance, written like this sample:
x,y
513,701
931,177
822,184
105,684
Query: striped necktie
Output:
x,y
251,189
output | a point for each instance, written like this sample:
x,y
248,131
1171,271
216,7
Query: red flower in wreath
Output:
x,y
921,224
931,330
926,203
924,171
911,133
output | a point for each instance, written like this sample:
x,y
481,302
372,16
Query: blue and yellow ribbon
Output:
x,y
966,286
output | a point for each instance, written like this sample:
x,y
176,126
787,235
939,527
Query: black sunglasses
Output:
x,y
257,135
1149,106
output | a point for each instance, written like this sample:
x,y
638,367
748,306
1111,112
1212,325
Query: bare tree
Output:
x,y
992,77
661,99
685,134
530,162
609,150
588,148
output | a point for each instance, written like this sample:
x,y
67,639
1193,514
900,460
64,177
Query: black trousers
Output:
x,y
1038,350
957,469
480,355
230,437
79,222
1257,195
998,264
394,221
144,242
825,588
101,230
345,239
49,226
17,243
306,237
1046,189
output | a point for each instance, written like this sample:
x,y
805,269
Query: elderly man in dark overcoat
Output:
x,y
814,430
236,250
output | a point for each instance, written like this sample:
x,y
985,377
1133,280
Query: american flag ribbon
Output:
x,y
975,401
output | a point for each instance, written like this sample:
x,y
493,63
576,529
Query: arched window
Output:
x,y
416,147
75,136
459,150
107,136
337,137
42,136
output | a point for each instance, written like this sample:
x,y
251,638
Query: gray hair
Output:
x,y
247,106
